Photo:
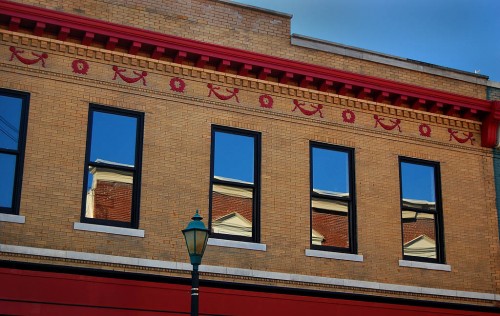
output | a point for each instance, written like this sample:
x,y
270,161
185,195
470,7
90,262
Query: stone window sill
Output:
x,y
236,244
425,265
334,255
109,229
12,218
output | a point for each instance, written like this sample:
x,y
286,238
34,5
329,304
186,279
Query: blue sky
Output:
x,y
460,34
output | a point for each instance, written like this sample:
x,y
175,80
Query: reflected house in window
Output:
x,y
421,211
232,208
317,238
330,219
111,189
235,189
333,224
110,194
419,235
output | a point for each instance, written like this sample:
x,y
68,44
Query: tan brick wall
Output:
x,y
235,26
176,169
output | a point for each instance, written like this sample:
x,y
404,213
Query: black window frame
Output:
x,y
137,169
351,200
20,152
256,185
438,213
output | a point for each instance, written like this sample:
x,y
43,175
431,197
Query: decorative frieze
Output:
x,y
245,93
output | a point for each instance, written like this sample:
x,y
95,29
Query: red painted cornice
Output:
x,y
16,15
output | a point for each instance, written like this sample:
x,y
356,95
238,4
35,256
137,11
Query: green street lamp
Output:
x,y
196,235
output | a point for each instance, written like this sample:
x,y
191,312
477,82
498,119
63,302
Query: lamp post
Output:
x,y
196,235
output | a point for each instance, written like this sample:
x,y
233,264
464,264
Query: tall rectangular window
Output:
x,y
333,220
113,167
234,187
13,123
421,211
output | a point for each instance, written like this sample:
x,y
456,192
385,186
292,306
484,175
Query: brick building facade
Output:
x,y
334,180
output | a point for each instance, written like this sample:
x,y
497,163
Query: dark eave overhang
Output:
x,y
91,32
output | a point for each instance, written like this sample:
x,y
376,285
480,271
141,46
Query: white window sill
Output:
x,y
425,265
109,229
334,255
236,244
12,218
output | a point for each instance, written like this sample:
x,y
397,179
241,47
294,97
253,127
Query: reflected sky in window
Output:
x,y
330,170
113,138
7,172
234,156
418,182
10,118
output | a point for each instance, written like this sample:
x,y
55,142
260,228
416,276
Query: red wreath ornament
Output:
x,y
266,101
348,116
177,84
425,130
80,66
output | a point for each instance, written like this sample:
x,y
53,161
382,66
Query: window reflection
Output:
x,y
330,219
10,119
420,212
418,183
112,172
232,210
13,120
109,196
419,236
331,203
421,205
234,157
7,177
330,171
233,192
113,138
